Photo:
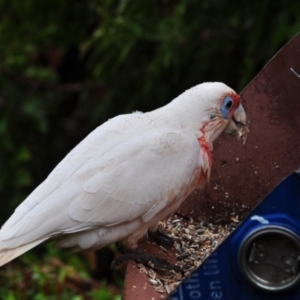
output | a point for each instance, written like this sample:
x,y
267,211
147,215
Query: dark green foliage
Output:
x,y
67,66
53,275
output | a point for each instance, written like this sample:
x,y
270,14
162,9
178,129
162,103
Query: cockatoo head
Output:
x,y
224,112
211,108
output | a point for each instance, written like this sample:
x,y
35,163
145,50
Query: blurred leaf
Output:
x,y
41,74
23,154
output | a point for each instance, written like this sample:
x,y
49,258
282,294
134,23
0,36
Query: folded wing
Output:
x,y
134,179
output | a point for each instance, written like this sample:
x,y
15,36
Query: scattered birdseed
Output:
x,y
153,281
193,243
160,289
152,274
235,219
168,289
163,249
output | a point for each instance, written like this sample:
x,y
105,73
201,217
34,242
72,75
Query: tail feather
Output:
x,y
6,255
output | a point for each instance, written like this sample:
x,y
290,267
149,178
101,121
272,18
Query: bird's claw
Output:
x,y
162,238
142,257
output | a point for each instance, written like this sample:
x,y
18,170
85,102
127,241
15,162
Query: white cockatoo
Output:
x,y
127,175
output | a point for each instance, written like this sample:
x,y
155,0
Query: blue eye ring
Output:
x,y
229,103
226,106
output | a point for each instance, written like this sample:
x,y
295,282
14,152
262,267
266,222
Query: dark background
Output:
x,y
66,66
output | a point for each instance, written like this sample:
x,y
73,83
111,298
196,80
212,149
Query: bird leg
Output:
x,y
163,239
142,257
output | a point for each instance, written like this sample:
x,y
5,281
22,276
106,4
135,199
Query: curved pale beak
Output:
x,y
238,125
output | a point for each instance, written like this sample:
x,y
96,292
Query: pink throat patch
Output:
x,y
207,154
205,147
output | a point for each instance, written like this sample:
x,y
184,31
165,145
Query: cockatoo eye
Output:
x,y
226,107
228,103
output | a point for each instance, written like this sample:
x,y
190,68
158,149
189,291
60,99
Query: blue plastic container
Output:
x,y
260,259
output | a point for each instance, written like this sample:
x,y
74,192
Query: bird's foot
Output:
x,y
142,257
163,239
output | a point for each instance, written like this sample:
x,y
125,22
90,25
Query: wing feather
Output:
x,y
150,168
134,179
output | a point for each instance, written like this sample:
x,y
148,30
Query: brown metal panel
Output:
x,y
243,175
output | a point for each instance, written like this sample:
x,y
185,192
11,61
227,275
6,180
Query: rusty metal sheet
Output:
x,y
243,175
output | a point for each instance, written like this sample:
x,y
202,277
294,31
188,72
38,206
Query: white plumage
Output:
x,y
125,176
